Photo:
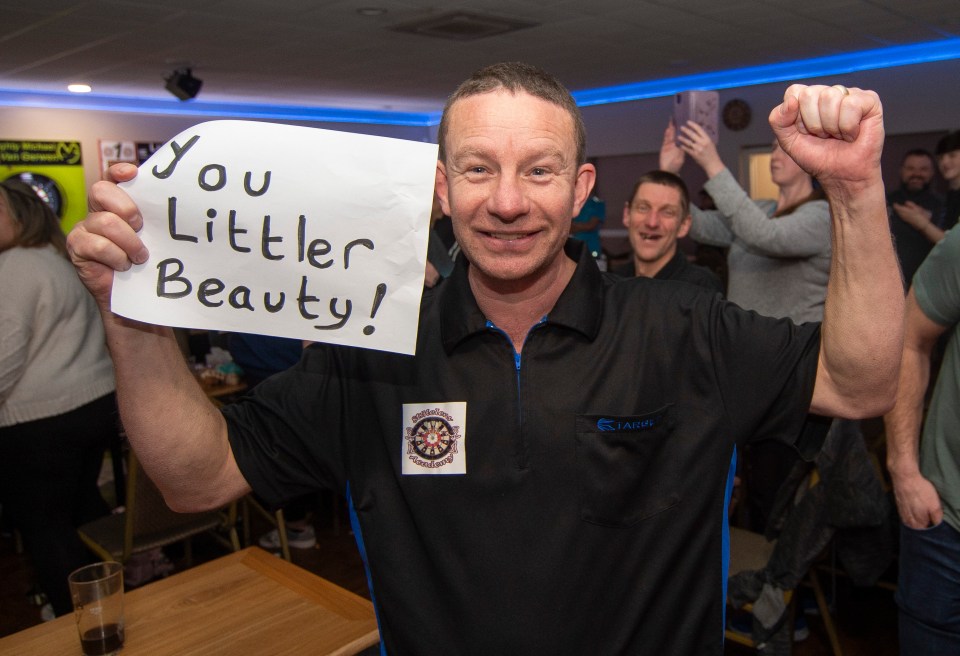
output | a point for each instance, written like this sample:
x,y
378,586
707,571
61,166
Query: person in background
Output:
x,y
711,257
948,160
926,472
587,223
778,264
779,250
442,247
57,409
261,356
560,434
656,216
915,212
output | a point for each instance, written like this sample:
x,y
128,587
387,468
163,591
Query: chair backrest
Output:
x,y
148,522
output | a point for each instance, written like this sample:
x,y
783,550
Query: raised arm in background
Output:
x,y
802,226
708,227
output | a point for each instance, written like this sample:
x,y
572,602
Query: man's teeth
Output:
x,y
506,236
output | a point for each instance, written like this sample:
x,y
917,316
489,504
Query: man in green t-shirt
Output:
x,y
926,474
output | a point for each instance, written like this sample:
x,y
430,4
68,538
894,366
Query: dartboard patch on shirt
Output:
x,y
434,438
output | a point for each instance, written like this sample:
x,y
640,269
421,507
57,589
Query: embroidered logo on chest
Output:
x,y
434,438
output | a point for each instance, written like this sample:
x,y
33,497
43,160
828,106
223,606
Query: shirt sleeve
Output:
x,y
710,227
804,232
285,434
937,282
766,369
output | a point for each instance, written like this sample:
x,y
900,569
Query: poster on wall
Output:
x,y
134,152
54,169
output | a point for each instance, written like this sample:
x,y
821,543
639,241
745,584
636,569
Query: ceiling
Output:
x,y
325,53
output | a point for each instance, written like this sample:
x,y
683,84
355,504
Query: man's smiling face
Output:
x,y
511,183
655,218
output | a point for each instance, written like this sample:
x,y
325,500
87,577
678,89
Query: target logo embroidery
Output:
x,y
434,439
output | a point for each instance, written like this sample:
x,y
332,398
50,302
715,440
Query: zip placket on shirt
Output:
x,y
522,451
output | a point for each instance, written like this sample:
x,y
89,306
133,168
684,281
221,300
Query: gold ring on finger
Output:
x,y
842,89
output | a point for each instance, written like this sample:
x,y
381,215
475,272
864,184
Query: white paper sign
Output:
x,y
281,230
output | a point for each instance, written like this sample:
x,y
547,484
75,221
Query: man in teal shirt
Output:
x,y
586,225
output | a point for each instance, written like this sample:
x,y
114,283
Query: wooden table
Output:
x,y
218,390
248,602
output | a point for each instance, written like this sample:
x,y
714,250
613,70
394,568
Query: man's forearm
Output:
x,y
863,315
179,437
902,423
931,232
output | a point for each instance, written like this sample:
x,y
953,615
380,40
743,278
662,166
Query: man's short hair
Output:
x,y
666,179
949,143
919,152
514,77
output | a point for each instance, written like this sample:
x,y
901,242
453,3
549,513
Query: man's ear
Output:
x,y
626,215
684,227
441,188
583,185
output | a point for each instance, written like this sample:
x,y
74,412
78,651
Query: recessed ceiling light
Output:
x,y
79,88
371,11
463,26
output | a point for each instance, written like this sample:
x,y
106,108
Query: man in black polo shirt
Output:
x,y
656,216
548,475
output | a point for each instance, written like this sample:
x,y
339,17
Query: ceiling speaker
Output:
x,y
183,85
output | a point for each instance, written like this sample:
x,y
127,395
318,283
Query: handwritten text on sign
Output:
x,y
282,230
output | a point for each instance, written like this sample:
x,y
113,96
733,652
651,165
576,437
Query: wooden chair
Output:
x,y
147,522
275,518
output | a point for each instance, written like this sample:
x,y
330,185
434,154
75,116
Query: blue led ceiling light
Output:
x,y
864,60
125,104
889,57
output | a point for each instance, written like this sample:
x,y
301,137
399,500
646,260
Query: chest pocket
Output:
x,y
626,467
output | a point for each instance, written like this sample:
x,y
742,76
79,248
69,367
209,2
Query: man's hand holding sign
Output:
x,y
249,227
325,245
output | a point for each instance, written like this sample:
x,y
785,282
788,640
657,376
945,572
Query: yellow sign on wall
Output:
x,y
54,169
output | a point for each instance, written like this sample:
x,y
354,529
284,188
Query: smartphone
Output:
x,y
701,107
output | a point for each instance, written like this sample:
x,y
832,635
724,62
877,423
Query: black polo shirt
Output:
x,y
677,268
591,515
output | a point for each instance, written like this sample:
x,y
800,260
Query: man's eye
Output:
x,y
477,169
539,170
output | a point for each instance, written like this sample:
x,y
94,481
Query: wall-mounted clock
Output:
x,y
736,115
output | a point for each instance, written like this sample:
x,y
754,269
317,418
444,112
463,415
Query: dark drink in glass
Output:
x,y
102,640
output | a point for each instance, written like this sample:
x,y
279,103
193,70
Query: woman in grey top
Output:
x,y
779,251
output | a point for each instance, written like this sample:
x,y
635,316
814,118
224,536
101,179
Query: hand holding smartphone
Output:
x,y
701,107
